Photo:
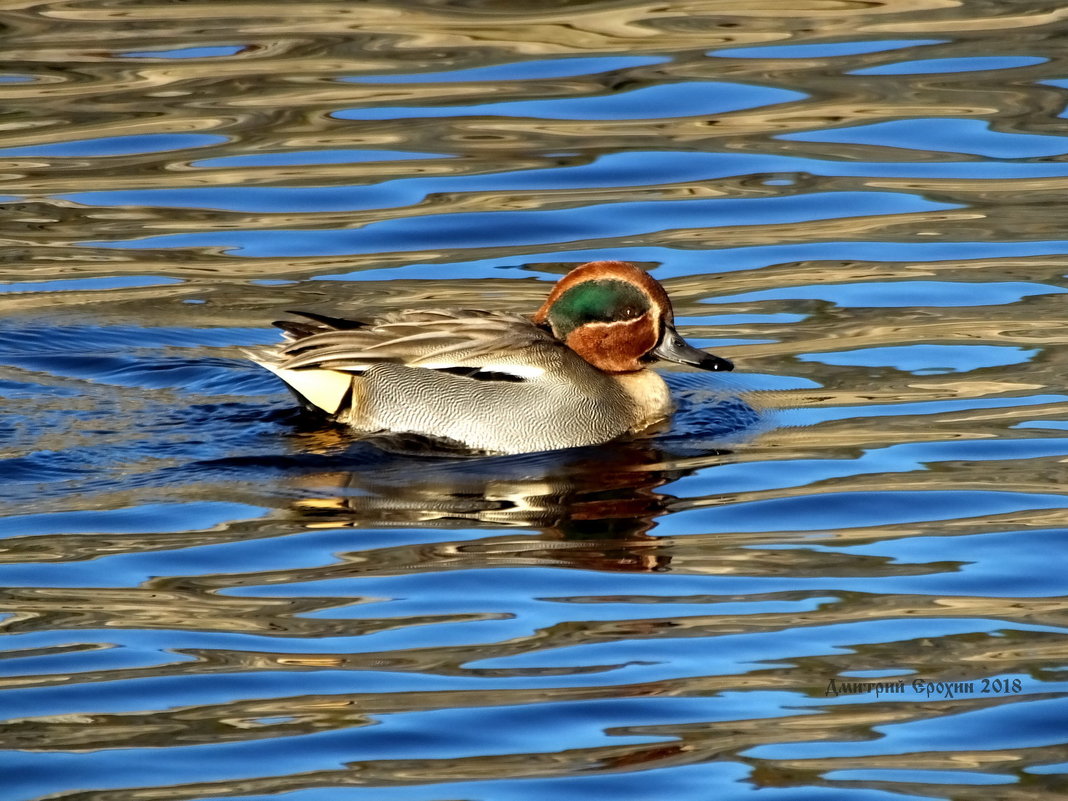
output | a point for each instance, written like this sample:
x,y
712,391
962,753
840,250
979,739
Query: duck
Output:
x,y
574,373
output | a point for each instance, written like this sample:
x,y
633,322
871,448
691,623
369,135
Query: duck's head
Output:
x,y
618,318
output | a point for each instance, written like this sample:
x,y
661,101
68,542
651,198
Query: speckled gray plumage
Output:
x,y
395,386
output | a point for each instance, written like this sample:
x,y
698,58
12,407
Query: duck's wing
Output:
x,y
320,357
436,339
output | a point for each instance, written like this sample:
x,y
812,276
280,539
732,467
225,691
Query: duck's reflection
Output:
x,y
606,497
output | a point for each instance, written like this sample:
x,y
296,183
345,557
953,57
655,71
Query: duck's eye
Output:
x,y
629,312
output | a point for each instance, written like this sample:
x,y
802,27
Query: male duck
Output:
x,y
572,374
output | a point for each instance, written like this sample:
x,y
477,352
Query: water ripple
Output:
x,y
836,574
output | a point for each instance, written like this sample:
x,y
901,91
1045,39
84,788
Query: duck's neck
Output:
x,y
650,395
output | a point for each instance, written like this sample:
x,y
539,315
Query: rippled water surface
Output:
x,y
840,575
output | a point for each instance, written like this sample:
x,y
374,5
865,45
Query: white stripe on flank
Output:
x,y
518,370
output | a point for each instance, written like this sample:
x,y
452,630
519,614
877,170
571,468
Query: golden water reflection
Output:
x,y
209,572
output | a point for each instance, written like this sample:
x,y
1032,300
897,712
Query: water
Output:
x,y
840,575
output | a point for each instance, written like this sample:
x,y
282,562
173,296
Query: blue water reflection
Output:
x,y
926,359
216,51
944,134
823,49
208,594
487,229
611,170
953,65
897,294
523,70
692,99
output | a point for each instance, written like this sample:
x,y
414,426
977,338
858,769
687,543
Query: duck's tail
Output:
x,y
325,391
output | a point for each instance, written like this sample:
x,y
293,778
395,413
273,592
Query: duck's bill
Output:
x,y
673,348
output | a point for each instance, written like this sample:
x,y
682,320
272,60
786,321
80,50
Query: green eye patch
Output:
x,y
598,301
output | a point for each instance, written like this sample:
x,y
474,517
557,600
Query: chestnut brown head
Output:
x,y
618,318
